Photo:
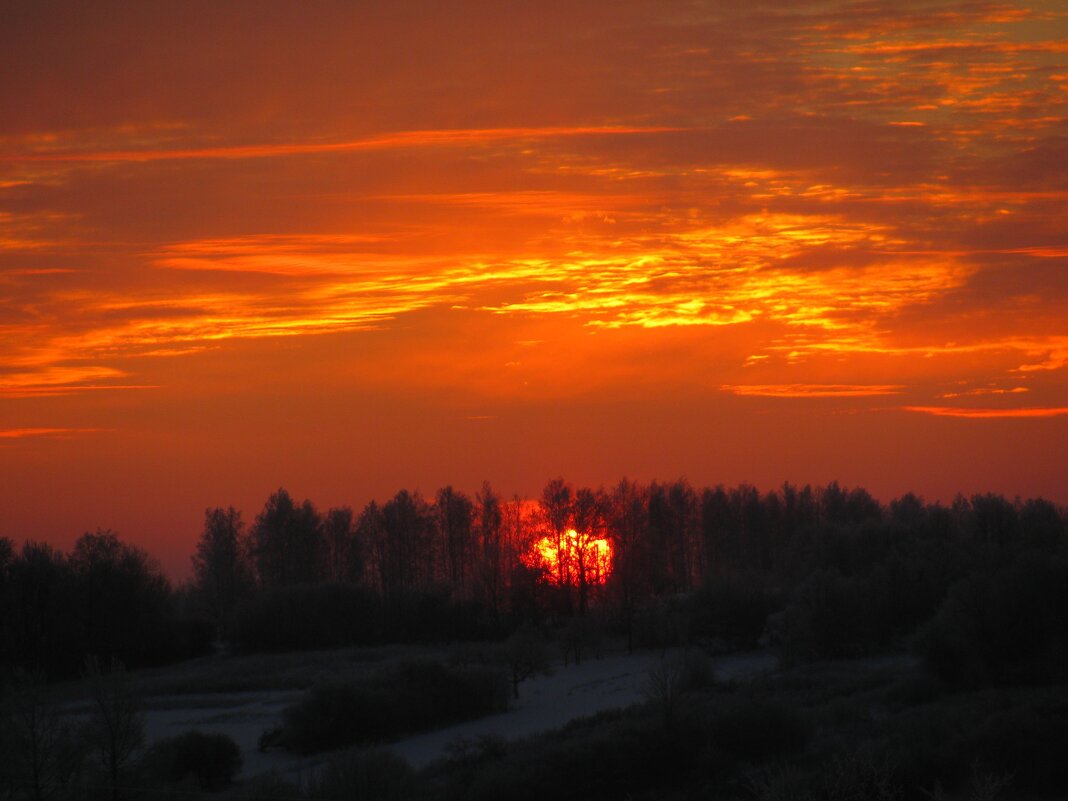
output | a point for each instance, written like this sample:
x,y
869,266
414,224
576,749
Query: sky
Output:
x,y
345,248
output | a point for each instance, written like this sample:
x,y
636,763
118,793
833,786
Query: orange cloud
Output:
x,y
984,391
391,141
813,390
723,275
846,246
1056,359
25,433
988,414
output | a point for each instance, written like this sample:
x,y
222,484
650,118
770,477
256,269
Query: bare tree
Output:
x,y
409,549
39,742
556,501
628,512
371,539
490,523
590,518
455,518
525,654
287,542
344,561
116,727
221,570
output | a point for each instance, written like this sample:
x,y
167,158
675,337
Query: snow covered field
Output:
x,y
548,702
545,702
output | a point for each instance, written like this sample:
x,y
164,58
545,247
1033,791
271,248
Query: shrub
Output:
x,y
307,616
829,617
1027,743
267,787
211,760
431,614
410,697
663,622
1002,629
611,756
670,681
1018,733
523,654
312,616
370,775
732,610
755,730
861,776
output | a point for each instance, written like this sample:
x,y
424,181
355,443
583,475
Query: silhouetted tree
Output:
x,y
1004,626
862,507
799,510
1041,524
123,601
455,514
344,559
720,548
589,513
116,725
829,569
40,631
626,526
525,653
371,538
672,525
39,741
907,511
491,569
211,760
287,542
993,519
749,519
7,558
556,506
222,573
408,552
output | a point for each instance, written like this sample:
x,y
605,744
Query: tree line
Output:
x,y
816,571
105,598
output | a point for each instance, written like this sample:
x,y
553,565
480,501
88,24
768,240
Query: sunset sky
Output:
x,y
348,247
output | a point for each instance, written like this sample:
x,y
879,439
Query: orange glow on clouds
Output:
x,y
262,248
21,433
391,141
814,390
989,414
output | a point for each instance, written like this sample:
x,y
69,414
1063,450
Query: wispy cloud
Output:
x,y
813,390
392,141
984,391
28,433
39,378
841,196
989,414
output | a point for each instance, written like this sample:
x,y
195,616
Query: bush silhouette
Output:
x,y
1005,628
413,696
753,730
373,775
211,760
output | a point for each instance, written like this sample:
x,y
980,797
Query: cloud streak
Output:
x,y
34,433
859,202
813,390
990,414
400,140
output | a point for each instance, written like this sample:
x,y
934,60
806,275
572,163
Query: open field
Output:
x,y
242,696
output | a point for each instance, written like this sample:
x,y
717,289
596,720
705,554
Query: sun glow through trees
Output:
x,y
572,559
